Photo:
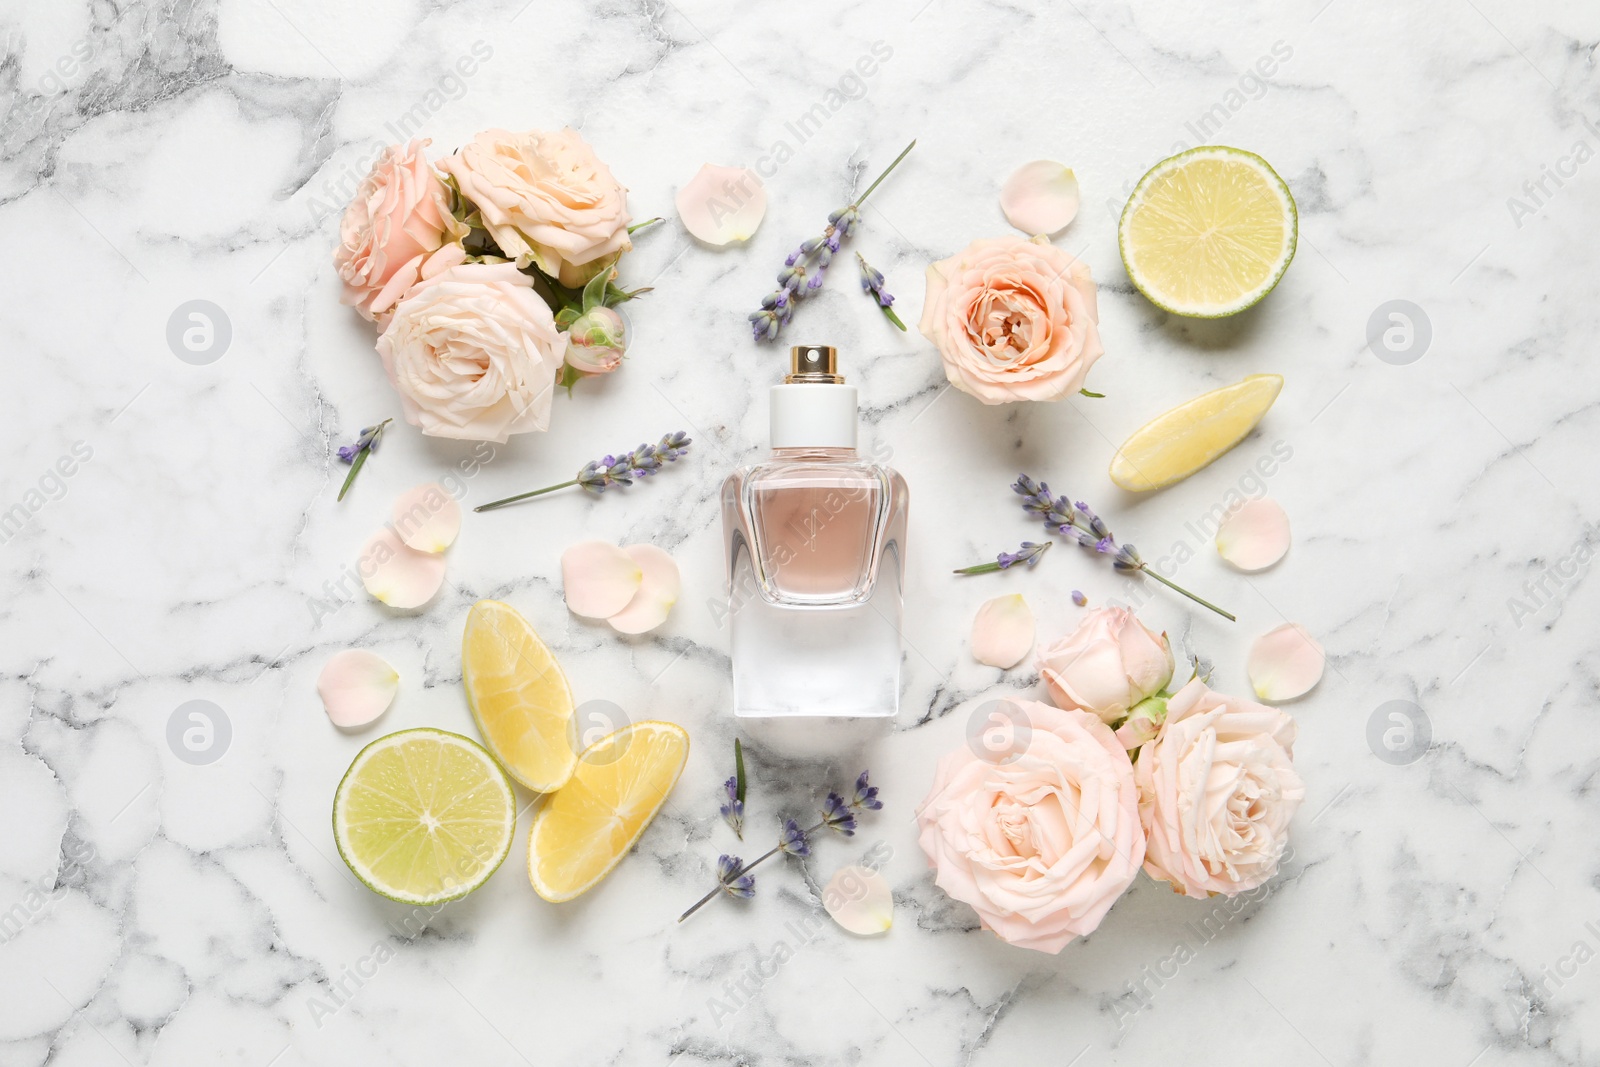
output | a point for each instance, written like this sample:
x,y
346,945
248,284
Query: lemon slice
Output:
x,y
518,696
584,829
423,816
1176,443
1208,232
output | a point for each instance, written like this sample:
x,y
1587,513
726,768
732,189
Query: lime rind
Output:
x,y
1171,163
468,885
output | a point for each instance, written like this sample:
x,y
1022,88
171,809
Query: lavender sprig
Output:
x,y
1077,522
356,454
873,285
1030,553
838,815
733,808
601,474
805,268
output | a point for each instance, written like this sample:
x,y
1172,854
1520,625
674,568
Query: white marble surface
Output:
x,y
197,149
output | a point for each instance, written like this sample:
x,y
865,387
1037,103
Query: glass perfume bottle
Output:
x,y
815,543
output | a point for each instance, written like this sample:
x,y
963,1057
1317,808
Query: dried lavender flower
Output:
x,y
1079,523
601,474
732,879
872,284
356,454
806,267
1030,554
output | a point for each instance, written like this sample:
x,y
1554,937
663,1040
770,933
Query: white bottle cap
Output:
x,y
813,408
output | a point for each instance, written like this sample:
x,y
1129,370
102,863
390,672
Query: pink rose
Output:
x,y
1041,845
1013,319
474,353
545,198
1107,665
399,217
1217,789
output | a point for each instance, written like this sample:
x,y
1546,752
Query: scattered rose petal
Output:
x,y
658,591
1040,197
1285,663
1002,632
396,574
721,205
356,686
599,579
859,900
427,518
1254,535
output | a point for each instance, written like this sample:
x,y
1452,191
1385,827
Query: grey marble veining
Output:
x,y
1443,911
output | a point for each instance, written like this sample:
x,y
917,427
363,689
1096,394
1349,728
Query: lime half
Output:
x,y
1208,232
424,816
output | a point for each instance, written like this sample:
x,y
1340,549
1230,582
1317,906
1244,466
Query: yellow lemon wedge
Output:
x,y
1176,443
590,823
1208,232
519,696
423,816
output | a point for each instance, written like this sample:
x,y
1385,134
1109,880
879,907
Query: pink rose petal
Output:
x,y
658,591
396,574
427,518
599,579
1285,663
1254,535
859,900
1040,197
721,205
1002,631
356,686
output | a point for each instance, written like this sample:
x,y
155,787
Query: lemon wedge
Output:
x,y
1208,232
590,823
1176,443
423,816
519,696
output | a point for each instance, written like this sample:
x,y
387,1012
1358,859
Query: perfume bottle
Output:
x,y
815,543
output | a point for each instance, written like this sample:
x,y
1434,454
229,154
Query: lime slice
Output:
x,y
518,695
591,822
1176,443
424,816
1208,232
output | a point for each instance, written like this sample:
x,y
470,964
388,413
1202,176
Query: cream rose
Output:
x,y
1013,319
1107,665
474,353
545,198
1040,844
1217,789
400,217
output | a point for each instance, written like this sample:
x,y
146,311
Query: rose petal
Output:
x,y
1285,663
1040,197
356,686
1254,535
1002,631
658,591
396,574
859,900
599,579
427,518
721,205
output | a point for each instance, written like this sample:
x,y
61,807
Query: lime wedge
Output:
x,y
424,816
1176,443
1208,232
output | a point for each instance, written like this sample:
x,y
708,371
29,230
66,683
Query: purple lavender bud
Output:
x,y
1078,598
866,796
838,816
733,883
1105,544
792,839
347,453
